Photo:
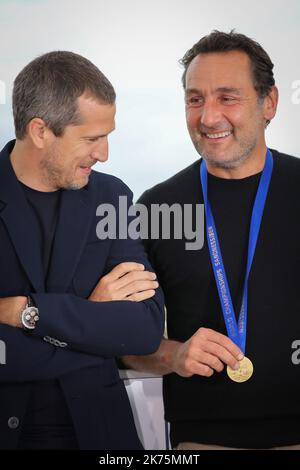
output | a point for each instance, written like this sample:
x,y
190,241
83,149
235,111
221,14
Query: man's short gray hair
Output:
x,y
49,86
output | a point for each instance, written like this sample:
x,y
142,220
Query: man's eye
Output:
x,y
228,99
195,101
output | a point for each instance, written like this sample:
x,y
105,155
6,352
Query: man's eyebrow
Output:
x,y
223,89
190,91
98,135
91,136
226,89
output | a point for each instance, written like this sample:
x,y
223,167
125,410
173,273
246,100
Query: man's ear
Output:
x,y
38,132
270,104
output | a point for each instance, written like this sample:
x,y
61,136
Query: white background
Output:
x,y
137,44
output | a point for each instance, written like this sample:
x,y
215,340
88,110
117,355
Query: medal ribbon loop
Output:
x,y
235,330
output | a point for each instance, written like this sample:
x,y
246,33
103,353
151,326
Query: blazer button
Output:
x,y
13,422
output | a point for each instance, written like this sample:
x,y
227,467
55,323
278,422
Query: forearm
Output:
x,y
160,363
106,329
29,358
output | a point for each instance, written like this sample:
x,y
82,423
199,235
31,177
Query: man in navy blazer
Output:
x,y
69,302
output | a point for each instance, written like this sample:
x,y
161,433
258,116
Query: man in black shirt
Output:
x,y
232,306
70,301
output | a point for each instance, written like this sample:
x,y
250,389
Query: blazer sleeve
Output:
x,y
28,358
107,329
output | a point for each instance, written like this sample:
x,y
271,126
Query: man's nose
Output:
x,y
100,152
210,115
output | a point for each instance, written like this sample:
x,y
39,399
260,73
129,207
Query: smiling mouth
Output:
x,y
216,135
86,169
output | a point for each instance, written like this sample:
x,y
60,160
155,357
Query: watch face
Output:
x,y
29,317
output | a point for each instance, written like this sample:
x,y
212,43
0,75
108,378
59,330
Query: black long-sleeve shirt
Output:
x,y
47,424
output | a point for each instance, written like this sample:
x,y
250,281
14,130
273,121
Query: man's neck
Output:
x,y
24,160
253,165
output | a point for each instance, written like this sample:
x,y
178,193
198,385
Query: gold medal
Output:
x,y
243,373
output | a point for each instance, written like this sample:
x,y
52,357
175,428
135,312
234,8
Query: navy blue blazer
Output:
x,y
94,332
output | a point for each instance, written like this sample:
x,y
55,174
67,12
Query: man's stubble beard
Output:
x,y
54,174
237,160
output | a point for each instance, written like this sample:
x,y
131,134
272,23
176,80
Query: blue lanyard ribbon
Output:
x,y
236,331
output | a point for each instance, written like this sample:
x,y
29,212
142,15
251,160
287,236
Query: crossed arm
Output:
x,y
127,281
94,328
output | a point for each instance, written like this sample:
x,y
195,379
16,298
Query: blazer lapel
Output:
x,y
74,220
21,225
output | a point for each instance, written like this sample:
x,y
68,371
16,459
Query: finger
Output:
x,y
194,367
222,340
137,286
211,361
135,276
221,354
204,370
140,296
123,268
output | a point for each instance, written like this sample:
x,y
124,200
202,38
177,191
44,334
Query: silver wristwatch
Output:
x,y
29,316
